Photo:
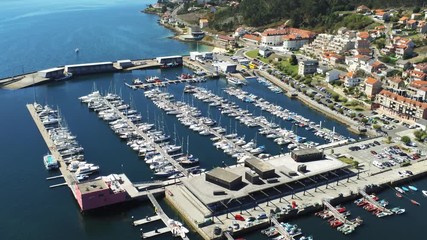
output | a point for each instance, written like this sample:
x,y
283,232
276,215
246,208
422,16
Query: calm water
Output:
x,y
37,35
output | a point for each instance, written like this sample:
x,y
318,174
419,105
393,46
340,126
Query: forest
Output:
x,y
313,14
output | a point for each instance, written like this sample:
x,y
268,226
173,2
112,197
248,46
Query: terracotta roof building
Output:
x,y
401,106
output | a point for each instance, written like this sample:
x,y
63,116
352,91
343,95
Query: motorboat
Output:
x,y
412,188
400,190
424,192
50,162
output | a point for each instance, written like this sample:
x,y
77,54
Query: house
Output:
x,y
372,87
240,32
382,15
401,106
411,24
417,75
333,75
421,67
362,9
203,22
251,38
307,67
350,80
264,52
395,83
226,41
377,67
418,89
416,16
403,64
422,27
403,20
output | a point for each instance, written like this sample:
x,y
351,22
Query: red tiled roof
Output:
x,y
421,66
226,38
350,74
403,18
371,81
252,37
418,84
395,79
399,98
411,22
364,35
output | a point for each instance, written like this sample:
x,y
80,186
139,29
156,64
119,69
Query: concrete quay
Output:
x,y
69,177
196,213
60,73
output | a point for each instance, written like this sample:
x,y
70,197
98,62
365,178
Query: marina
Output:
x,y
296,202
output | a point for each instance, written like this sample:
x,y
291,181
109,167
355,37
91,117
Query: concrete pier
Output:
x,y
70,178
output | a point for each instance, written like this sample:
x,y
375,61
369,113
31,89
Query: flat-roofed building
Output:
x,y
224,178
263,169
307,154
88,68
170,59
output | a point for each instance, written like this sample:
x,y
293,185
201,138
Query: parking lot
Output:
x,y
377,154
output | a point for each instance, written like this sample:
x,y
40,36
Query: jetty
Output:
x,y
281,229
146,86
160,215
63,73
70,178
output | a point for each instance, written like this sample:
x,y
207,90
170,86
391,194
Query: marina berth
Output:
x,y
164,158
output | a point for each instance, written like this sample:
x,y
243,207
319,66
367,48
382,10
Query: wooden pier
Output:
x,y
70,178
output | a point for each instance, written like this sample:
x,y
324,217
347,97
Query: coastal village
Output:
x,y
373,80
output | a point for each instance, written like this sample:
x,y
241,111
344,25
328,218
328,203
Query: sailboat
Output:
x,y
77,50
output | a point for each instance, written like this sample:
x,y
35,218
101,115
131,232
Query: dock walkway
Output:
x,y
162,215
373,202
335,212
164,83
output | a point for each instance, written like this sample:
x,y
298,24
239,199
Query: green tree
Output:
x,y
293,60
376,126
405,139
417,9
420,135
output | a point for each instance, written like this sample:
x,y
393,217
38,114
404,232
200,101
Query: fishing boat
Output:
x,y
50,162
412,188
424,192
415,202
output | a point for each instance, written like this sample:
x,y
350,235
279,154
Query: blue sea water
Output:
x,y
39,34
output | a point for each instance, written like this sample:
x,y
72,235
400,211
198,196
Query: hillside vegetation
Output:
x,y
314,14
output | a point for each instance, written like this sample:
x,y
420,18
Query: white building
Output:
x,y
307,67
333,75
225,67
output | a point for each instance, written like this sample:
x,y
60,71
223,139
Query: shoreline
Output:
x,y
351,126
